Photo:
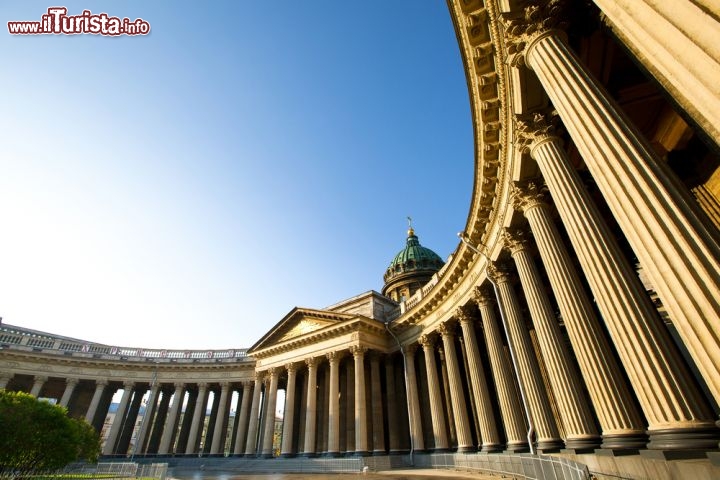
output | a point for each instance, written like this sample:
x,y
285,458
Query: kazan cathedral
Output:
x,y
578,319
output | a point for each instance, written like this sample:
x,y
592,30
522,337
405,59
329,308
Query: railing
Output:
x,y
519,466
120,470
20,338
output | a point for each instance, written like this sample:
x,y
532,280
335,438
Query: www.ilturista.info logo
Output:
x,y
57,21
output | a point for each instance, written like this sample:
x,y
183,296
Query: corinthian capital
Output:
x,y
464,314
531,128
483,295
525,24
499,272
528,195
516,240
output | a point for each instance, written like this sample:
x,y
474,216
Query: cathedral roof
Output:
x,y
413,258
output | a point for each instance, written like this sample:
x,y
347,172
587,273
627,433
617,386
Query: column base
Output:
x,y
491,448
215,455
616,452
266,455
399,452
466,449
552,445
361,453
378,453
701,438
624,441
673,454
589,443
332,454
309,454
516,448
441,450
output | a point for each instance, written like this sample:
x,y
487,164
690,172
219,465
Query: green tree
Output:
x,y
37,436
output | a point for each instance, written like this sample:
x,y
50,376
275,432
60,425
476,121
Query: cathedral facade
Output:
x,y
579,314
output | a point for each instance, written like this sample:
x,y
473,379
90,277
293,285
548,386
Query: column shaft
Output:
x,y
334,405
218,440
548,437
289,415
679,252
620,421
70,385
462,425
436,408
267,447
311,408
241,434
361,434
254,421
92,409
146,425
416,436
510,407
198,420
109,448
171,422
378,436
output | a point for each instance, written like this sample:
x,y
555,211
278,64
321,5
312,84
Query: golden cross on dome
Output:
x,y
411,232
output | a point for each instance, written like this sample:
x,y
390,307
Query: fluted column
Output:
x,y
311,408
573,407
334,404
392,406
289,414
38,383
483,403
436,408
198,419
462,425
146,425
672,404
92,409
109,447
510,406
254,421
70,384
241,434
220,431
171,421
361,437
378,436
679,251
416,436
548,437
621,423
271,396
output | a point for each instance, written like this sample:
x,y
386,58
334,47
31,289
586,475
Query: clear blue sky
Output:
x,y
188,188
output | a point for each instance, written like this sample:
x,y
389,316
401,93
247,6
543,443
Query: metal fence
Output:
x,y
120,469
519,466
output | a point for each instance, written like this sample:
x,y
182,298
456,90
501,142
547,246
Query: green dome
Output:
x,y
413,258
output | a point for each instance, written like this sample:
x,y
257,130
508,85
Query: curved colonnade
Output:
x,y
579,314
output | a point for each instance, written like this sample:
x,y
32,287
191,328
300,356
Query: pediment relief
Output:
x,y
304,326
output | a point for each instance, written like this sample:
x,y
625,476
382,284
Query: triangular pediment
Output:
x,y
299,323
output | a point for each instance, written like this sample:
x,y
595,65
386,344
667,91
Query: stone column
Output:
x,y
254,421
198,419
416,435
128,426
510,406
462,425
548,437
38,383
241,434
146,424
92,409
109,448
220,432
334,405
565,382
378,435
392,406
361,436
621,423
436,406
271,396
673,406
70,384
677,43
483,404
311,408
679,251
171,421
289,415
160,418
